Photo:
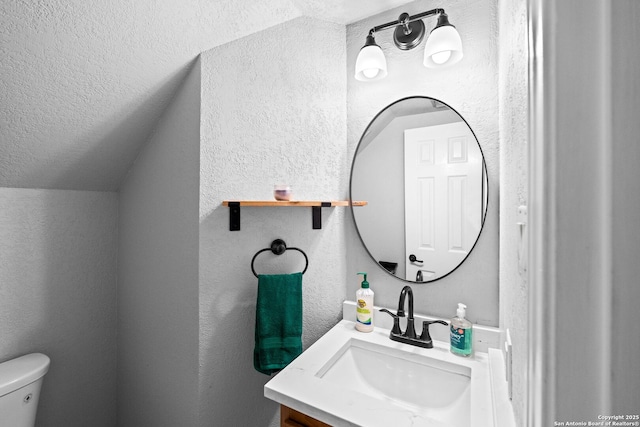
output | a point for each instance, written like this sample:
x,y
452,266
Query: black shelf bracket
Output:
x,y
234,216
316,214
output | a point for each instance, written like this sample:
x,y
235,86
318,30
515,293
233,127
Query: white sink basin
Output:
x,y
348,378
434,388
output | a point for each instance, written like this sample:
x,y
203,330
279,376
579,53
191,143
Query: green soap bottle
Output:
x,y
461,333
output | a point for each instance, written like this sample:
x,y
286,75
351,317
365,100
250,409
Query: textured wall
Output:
x,y
58,297
273,110
85,82
513,187
158,272
471,88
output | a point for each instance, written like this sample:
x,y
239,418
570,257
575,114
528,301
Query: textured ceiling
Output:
x,y
83,83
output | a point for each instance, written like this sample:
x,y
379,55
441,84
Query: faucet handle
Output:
x,y
396,321
425,336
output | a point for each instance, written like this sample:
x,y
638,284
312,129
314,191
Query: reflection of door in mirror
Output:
x,y
426,201
443,170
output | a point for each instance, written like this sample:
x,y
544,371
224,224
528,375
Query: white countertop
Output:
x,y
299,387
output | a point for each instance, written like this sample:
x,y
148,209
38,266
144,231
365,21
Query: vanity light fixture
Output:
x,y
443,46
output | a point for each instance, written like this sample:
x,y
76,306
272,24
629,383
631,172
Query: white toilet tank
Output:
x,y
20,382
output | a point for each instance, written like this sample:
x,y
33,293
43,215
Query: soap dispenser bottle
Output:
x,y
364,306
461,333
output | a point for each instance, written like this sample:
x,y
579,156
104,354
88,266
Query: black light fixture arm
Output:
x,y
405,20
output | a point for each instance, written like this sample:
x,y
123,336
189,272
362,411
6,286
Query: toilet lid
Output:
x,y
21,371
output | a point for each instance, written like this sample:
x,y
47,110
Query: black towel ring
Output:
x,y
278,247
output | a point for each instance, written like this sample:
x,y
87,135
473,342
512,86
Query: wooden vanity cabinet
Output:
x,y
292,418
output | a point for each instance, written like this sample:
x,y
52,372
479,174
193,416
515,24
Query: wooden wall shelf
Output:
x,y
234,205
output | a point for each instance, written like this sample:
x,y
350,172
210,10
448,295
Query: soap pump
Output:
x,y
461,333
364,306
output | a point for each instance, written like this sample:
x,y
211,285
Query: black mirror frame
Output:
x,y
485,179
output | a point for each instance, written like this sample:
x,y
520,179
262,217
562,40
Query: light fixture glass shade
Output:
x,y
444,47
371,63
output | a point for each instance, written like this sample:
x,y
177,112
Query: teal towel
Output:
x,y
278,335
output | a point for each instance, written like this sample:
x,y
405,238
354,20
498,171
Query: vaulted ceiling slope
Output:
x,y
84,82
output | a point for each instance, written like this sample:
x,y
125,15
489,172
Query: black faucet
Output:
x,y
409,336
410,332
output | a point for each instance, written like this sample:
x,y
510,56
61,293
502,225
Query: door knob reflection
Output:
x,y
413,258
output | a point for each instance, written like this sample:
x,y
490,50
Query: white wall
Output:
x,y
58,297
514,100
273,110
471,88
158,271
85,82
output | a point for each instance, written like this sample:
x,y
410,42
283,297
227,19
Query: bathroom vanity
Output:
x,y
291,418
434,165
348,378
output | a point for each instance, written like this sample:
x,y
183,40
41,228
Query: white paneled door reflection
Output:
x,y
443,198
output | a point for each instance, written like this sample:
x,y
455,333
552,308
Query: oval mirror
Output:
x,y
421,169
